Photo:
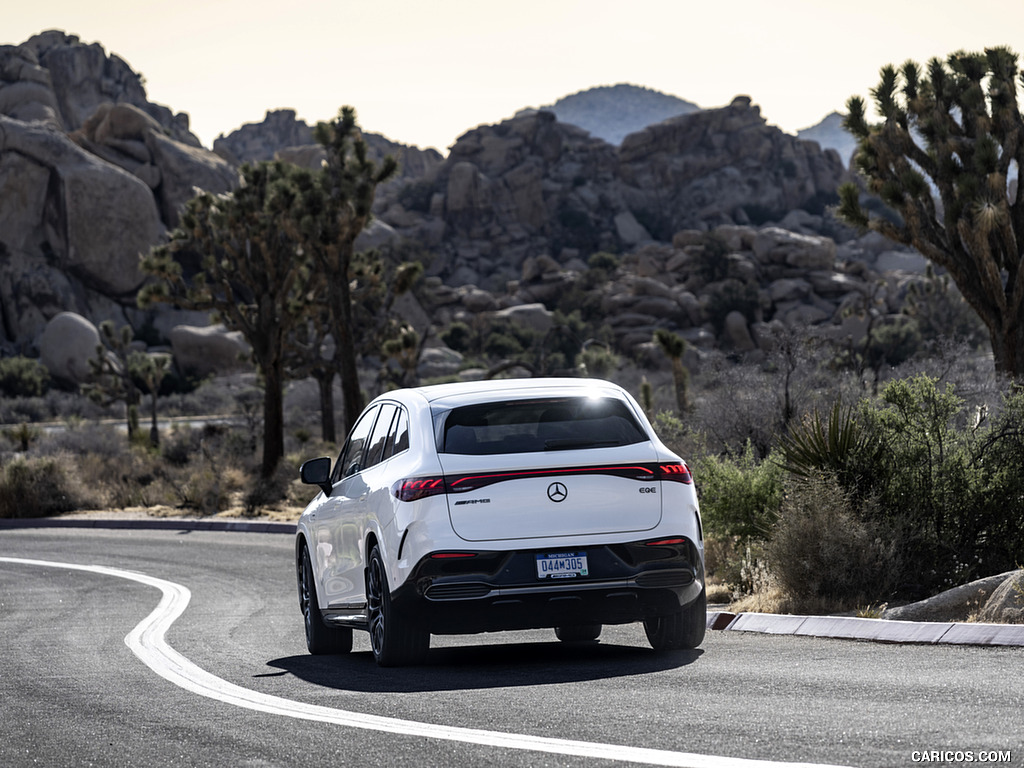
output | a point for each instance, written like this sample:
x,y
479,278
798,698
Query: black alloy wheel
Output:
x,y
395,640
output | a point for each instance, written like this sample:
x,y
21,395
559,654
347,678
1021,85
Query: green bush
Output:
x,y
23,377
739,497
822,552
458,336
913,462
37,488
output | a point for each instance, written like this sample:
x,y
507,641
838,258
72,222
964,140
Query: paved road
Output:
x,y
73,693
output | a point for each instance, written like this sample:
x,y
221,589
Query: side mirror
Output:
x,y
317,472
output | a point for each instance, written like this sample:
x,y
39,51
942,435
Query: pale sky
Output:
x,y
424,72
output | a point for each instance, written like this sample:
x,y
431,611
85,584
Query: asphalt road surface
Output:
x,y
177,648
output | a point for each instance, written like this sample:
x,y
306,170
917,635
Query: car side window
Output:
x,y
351,460
375,451
400,433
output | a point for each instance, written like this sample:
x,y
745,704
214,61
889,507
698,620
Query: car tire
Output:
x,y
578,633
682,629
395,640
320,639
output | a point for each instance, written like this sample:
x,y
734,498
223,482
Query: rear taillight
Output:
x,y
414,488
452,555
676,471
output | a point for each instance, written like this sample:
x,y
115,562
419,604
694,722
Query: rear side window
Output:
x,y
526,426
401,433
351,460
375,451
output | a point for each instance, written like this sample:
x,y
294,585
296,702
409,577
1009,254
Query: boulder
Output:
x,y
1006,605
955,604
95,218
210,350
736,333
534,317
67,344
439,361
183,169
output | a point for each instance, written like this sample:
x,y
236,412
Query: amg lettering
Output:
x,y
472,501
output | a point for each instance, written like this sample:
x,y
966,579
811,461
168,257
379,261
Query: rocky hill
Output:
x,y
831,134
282,134
92,174
533,185
612,112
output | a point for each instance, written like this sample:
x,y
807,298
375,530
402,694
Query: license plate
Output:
x,y
563,565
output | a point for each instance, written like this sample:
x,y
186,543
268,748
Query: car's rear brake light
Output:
x,y
452,555
414,488
676,471
665,542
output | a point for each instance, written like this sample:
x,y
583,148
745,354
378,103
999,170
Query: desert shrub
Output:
x,y
78,439
599,361
23,377
458,336
39,487
276,490
127,479
731,295
501,344
739,497
608,262
22,435
943,478
824,553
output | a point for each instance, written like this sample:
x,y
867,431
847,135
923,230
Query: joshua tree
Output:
x,y
340,202
112,380
674,345
250,270
951,137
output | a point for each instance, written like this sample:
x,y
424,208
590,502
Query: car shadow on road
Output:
x,y
485,666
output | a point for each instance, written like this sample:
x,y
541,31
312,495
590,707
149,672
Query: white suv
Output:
x,y
500,505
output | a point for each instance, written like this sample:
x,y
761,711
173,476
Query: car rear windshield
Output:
x,y
525,426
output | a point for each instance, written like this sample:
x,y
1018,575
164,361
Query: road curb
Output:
x,y
169,524
873,630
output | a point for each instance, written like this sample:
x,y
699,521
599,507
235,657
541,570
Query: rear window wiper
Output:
x,y
564,443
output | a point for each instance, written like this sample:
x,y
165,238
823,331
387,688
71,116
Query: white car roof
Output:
x,y
464,392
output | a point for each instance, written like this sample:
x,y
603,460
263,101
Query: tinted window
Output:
x,y
375,453
351,459
539,425
401,433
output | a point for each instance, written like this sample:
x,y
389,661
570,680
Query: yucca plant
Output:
x,y
835,445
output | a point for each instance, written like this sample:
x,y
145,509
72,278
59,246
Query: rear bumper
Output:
x,y
495,590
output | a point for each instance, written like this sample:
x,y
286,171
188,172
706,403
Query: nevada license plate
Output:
x,y
563,565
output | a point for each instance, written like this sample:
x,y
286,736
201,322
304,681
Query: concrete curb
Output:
x,y
166,524
874,630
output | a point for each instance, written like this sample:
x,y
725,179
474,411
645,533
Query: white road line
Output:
x,y
147,641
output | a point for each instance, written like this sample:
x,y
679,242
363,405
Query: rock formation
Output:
x,y
283,135
716,218
91,175
533,186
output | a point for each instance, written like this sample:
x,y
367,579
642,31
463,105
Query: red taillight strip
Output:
x,y
676,471
465,483
414,488
665,542
452,555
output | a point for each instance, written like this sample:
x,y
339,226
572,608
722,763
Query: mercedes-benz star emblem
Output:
x,y
557,492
